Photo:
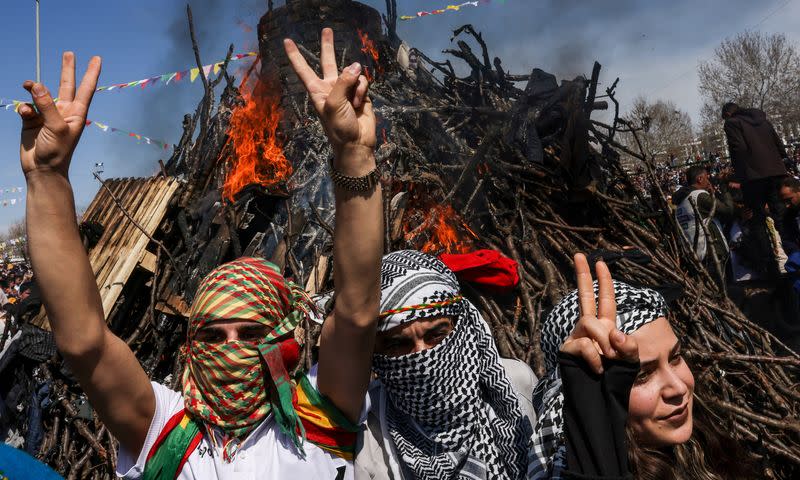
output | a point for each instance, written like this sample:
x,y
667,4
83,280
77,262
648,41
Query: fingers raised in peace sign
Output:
x,y
596,332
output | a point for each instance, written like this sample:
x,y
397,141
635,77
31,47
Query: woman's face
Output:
x,y
660,407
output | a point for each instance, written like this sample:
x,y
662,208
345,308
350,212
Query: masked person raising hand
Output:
x,y
238,414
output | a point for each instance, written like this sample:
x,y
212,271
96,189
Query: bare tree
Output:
x,y
16,239
665,129
752,69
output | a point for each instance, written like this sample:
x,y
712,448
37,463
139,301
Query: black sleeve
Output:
x,y
737,147
778,142
595,414
725,208
705,203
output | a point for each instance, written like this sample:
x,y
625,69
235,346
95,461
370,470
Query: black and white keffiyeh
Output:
x,y
451,410
636,307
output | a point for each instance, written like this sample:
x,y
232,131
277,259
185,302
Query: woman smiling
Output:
x,y
619,399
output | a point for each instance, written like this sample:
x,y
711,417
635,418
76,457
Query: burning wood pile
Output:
x,y
486,159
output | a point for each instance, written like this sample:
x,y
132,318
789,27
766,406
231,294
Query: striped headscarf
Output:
x,y
224,382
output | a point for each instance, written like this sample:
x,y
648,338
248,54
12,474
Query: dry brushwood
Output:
x,y
519,166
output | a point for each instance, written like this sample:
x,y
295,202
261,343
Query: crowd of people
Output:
x,y
671,175
19,294
408,382
741,219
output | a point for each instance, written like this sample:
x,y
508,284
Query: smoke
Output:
x,y
563,37
217,24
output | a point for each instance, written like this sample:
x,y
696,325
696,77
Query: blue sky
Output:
x,y
654,47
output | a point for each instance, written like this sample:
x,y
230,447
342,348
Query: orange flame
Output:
x,y
443,224
258,154
368,48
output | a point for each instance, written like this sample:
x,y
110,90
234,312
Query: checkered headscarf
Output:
x,y
224,383
451,410
636,307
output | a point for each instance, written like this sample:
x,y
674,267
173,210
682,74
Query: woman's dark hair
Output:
x,y
710,454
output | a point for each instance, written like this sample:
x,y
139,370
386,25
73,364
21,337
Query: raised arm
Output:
x,y
105,367
341,100
596,401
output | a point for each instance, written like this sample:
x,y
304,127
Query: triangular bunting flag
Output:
x,y
193,74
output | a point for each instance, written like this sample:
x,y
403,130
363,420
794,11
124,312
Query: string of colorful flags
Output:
x,y
102,126
149,141
11,190
11,202
166,78
449,8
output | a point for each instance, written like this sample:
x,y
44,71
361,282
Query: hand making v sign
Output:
x,y
596,332
342,103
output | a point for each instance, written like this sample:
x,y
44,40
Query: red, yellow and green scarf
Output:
x,y
224,383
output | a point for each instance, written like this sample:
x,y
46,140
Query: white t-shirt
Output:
x,y
265,454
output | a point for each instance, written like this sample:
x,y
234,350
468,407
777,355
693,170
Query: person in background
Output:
x,y
757,154
701,214
790,195
3,296
618,401
238,412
